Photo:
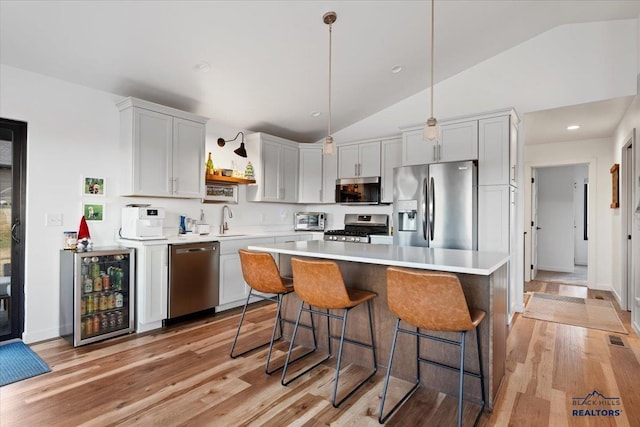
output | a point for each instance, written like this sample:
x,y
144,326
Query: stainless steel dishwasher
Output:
x,y
193,278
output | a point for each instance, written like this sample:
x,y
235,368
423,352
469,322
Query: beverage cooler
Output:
x,y
96,294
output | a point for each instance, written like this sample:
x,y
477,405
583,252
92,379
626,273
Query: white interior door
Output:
x,y
534,223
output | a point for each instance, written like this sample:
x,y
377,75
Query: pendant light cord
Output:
x,y
330,28
432,25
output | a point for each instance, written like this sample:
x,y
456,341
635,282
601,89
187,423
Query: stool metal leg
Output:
x,y
463,336
235,340
339,362
293,338
381,417
277,323
481,373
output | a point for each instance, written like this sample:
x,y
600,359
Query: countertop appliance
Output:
x,y
358,191
358,228
142,222
96,294
309,221
193,278
436,205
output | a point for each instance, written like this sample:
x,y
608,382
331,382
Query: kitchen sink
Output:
x,y
228,235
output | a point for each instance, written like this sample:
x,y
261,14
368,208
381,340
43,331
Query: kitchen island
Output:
x,y
484,281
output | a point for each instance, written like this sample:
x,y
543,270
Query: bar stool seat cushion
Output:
x,y
261,273
323,286
433,301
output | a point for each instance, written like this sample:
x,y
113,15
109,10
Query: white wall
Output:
x,y
597,153
73,131
555,218
629,123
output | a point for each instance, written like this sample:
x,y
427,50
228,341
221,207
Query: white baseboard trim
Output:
x,y
556,269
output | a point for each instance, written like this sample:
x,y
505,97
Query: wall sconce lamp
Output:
x,y
240,151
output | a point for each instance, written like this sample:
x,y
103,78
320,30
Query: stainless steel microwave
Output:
x,y
358,191
310,221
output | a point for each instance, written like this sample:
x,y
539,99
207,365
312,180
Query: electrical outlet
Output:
x,y
53,219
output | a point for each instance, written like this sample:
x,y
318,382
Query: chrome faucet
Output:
x,y
223,224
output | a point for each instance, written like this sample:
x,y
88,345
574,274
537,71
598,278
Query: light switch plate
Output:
x,y
53,219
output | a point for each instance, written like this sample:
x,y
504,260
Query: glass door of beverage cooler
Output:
x,y
101,297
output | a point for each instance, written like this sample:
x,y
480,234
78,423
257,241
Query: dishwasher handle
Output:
x,y
191,250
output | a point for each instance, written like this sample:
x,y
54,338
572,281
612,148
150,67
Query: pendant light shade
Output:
x,y
432,129
328,146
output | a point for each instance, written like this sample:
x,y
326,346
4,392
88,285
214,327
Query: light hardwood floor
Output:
x,y
183,375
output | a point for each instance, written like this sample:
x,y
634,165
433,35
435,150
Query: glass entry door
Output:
x,y
13,141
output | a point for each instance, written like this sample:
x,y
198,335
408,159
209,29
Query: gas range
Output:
x,y
358,228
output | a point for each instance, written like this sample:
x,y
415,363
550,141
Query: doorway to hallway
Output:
x,y
560,221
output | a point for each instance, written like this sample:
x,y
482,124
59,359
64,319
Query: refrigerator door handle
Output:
x,y
432,207
424,208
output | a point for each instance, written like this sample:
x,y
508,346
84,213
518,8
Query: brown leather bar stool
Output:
x,y
261,273
319,284
433,301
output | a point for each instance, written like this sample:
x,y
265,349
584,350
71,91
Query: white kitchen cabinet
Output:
x,y
152,286
415,150
359,160
329,177
391,158
310,185
162,150
233,289
493,218
494,160
275,167
497,211
459,141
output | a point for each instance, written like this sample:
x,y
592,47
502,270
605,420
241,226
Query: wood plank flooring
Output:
x,y
183,376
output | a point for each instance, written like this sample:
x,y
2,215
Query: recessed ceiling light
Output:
x,y
396,69
202,67
316,114
573,127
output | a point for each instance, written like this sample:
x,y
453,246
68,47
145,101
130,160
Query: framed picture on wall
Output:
x,y
93,186
93,211
615,190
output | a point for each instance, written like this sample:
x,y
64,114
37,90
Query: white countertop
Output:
x,y
211,237
452,260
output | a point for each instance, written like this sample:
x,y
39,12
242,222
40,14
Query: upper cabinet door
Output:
x,y
494,166
152,153
415,150
348,161
329,177
459,141
289,174
271,171
311,179
391,158
188,153
369,155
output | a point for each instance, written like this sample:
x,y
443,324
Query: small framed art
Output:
x,y
92,186
93,211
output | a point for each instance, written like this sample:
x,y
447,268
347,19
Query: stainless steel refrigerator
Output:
x,y
436,205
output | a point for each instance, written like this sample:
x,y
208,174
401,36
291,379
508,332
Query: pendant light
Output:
x,y
432,129
328,147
